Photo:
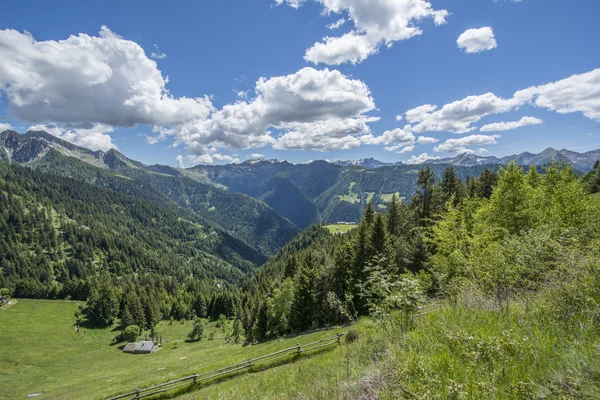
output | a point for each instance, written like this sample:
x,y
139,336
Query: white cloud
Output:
x,y
157,54
376,23
242,94
5,126
577,93
94,138
505,126
420,113
457,117
426,140
314,109
216,158
87,80
477,40
407,149
459,145
256,155
337,24
398,117
420,159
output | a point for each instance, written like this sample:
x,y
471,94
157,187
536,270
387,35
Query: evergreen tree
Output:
x,y
378,237
451,186
486,183
393,216
425,184
303,310
103,304
369,214
291,267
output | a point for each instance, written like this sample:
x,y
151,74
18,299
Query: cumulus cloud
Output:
x,y
460,145
256,155
95,138
577,93
337,24
4,126
311,109
376,23
98,83
407,149
426,140
477,40
216,158
505,126
458,116
89,80
420,159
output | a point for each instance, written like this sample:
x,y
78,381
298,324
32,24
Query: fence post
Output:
x,y
137,396
299,348
195,378
339,341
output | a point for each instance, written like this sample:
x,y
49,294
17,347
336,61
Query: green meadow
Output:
x,y
340,228
453,351
43,353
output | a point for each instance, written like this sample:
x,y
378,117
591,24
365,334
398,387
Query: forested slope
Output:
x,y
58,232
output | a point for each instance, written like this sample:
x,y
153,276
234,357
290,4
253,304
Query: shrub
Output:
x,y
198,330
352,336
131,333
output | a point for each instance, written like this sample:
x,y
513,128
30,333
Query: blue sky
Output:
x,y
340,101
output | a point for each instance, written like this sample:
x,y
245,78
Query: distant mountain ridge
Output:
x,y
366,162
583,162
263,202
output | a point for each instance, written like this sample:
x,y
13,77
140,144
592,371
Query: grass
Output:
x,y
351,197
456,351
340,228
42,352
387,197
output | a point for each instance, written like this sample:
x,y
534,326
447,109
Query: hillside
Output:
x,y
29,365
339,192
252,221
59,231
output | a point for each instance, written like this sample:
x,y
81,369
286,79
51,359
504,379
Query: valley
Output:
x,y
430,272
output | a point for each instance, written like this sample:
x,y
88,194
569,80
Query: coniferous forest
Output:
x,y
504,234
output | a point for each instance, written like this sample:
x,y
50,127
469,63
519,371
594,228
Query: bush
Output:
x,y
352,336
196,332
131,333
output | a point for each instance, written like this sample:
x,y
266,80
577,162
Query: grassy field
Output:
x,y
455,351
340,228
42,352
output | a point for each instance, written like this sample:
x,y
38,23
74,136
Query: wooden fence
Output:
x,y
195,378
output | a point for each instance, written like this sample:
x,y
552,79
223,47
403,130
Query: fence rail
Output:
x,y
195,378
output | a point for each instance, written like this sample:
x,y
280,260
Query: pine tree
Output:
x,y
369,214
485,183
237,330
378,237
393,216
451,186
304,306
425,182
291,267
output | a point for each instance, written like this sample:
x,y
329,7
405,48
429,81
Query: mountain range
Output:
x,y
581,161
263,203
